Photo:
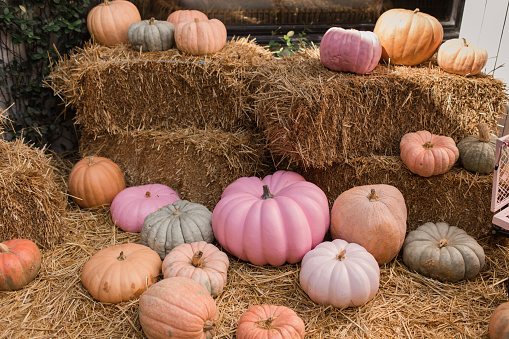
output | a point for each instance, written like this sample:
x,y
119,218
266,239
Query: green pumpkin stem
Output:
x,y
122,256
443,243
484,133
373,196
266,193
208,325
341,255
197,259
266,323
4,248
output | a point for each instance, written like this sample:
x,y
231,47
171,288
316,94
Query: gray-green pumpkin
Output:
x,y
477,152
151,35
443,252
181,222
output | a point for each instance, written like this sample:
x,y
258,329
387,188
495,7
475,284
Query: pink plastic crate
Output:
x,y
500,189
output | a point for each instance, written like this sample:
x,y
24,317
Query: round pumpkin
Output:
x,y
178,223
373,216
201,262
95,181
185,15
151,35
408,37
131,206
427,154
177,308
477,152
443,252
460,57
200,37
272,220
350,50
120,272
20,261
498,327
340,274
270,321
109,21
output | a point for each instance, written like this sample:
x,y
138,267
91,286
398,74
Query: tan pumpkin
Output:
x,y
408,37
460,57
498,327
428,154
200,37
270,321
185,15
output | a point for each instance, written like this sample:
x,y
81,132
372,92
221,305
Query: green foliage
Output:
x,y
288,44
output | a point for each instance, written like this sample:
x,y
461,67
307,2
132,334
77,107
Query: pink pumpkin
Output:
x,y
133,204
350,50
271,221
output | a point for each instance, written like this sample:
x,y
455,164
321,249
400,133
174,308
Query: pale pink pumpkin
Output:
x,y
200,37
270,321
271,221
185,15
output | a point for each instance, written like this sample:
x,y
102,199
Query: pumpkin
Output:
x,y
20,261
477,153
151,35
185,15
199,261
350,50
272,220
109,21
443,252
121,272
95,181
498,327
131,206
460,57
373,216
408,37
340,274
177,308
270,321
427,154
200,37
174,224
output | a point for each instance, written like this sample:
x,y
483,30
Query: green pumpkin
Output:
x,y
151,35
477,152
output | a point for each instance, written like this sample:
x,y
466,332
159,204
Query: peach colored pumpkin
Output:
x,y
498,327
461,57
185,15
200,37
20,261
270,321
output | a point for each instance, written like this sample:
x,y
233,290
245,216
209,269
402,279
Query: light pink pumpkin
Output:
x,y
133,204
185,15
350,50
271,221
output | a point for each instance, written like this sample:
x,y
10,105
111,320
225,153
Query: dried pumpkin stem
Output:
x,y
121,256
208,325
373,196
197,259
417,10
266,323
266,193
465,44
428,145
91,161
443,243
341,255
484,133
4,248
151,21
147,194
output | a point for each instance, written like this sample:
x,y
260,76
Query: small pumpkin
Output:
x,y
95,181
20,262
174,224
270,321
340,274
477,152
427,154
498,327
200,37
443,252
151,35
201,262
461,57
177,308
185,15
121,272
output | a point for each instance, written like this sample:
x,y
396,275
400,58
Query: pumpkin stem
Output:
x,y
147,195
341,255
443,243
484,133
175,212
266,323
465,44
417,10
121,257
196,19
4,248
373,196
197,259
428,145
208,325
266,193
91,161
151,21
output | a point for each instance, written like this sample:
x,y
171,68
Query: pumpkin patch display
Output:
x,y
272,220
20,261
498,327
443,252
151,35
185,15
340,274
200,37
373,216
121,272
350,50
461,57
270,321
477,152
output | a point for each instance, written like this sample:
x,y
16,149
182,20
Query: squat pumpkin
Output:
x,y
270,321
460,57
477,152
151,35
200,37
20,261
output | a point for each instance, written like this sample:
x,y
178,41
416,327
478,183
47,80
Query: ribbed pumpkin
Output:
x,y
443,252
350,50
20,261
200,37
428,154
177,308
109,21
270,321
95,181
185,15
181,222
373,216
408,37
201,262
498,326
477,152
460,57
151,35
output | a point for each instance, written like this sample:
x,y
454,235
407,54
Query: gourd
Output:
x,y
151,35
185,15
461,57
498,327
373,216
477,153
200,37
174,224
443,252
95,181
272,220
340,274
270,321
350,50
20,262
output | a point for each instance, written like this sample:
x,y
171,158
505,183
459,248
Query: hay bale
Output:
x,y
32,204
318,117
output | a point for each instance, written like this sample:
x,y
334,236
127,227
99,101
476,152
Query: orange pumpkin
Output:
x,y
200,37
460,57
408,37
185,15
270,321
20,261
498,327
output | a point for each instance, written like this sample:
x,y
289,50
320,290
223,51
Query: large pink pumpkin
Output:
x,y
271,221
133,204
350,50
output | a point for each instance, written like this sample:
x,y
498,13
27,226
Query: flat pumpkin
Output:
x,y
477,152
20,262
200,37
270,321
461,57
151,35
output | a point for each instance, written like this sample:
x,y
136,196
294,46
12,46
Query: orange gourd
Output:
x,y
270,321
200,37
185,15
460,57
20,261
